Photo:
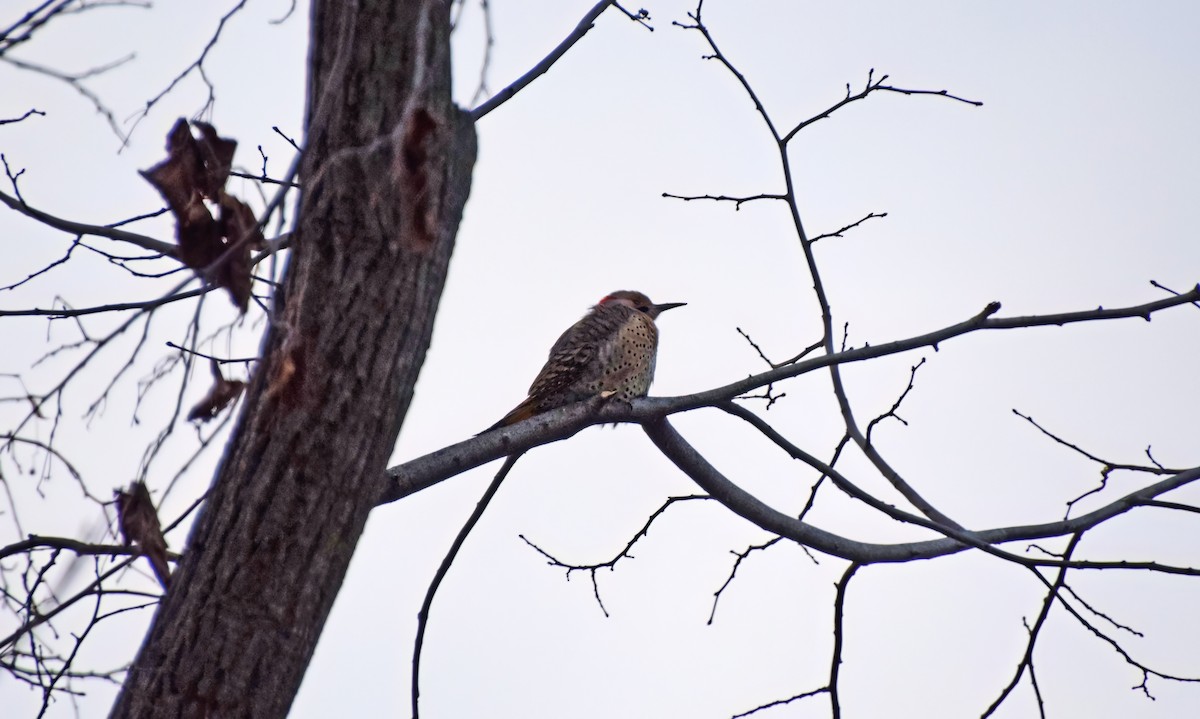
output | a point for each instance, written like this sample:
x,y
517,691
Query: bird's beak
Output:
x,y
659,309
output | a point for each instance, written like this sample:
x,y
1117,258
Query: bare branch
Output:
x,y
196,66
751,508
641,17
839,637
489,42
1168,289
22,30
80,229
114,307
757,349
781,702
289,140
1027,660
423,615
426,471
1096,612
738,201
841,231
896,405
1108,467
872,85
28,113
698,25
263,178
1147,672
73,545
75,81
546,63
740,557
12,177
623,554
218,360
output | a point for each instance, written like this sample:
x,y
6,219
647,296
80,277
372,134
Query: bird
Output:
x,y
139,525
609,353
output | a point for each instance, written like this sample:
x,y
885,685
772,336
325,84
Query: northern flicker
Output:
x,y
610,352
139,525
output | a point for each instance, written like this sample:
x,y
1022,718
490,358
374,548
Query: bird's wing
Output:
x,y
570,357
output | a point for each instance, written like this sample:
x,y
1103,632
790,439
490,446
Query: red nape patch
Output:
x,y
606,298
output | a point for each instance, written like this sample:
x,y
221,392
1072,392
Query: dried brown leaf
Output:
x,y
242,235
222,393
216,154
196,170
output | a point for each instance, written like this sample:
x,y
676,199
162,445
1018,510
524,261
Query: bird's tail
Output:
x,y
158,562
525,410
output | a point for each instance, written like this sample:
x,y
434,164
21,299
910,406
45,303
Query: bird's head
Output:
x,y
639,302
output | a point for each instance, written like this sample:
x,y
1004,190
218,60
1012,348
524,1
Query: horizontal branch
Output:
x,y
424,472
264,179
981,321
115,307
28,113
35,541
81,229
738,201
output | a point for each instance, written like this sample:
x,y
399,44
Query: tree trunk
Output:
x,y
386,172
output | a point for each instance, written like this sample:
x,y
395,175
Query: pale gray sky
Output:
x,y
1072,187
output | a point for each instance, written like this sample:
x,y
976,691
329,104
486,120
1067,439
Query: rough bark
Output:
x,y
386,173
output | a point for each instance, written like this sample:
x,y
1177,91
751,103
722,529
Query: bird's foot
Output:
x,y
612,395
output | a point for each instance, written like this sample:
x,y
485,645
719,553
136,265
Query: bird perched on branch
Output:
x,y
139,525
610,352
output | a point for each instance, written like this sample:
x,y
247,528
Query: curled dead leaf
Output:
x,y
194,172
222,393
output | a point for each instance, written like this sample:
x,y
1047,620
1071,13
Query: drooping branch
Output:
x,y
839,639
443,569
746,505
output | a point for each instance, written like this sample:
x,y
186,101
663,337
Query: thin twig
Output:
x,y
1026,662
738,201
611,564
840,232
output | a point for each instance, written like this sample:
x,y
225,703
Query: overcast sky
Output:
x,y
1073,186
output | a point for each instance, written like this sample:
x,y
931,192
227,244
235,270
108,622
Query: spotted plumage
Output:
x,y
610,352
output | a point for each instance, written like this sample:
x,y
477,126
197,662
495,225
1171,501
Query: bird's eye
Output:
x,y
644,308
